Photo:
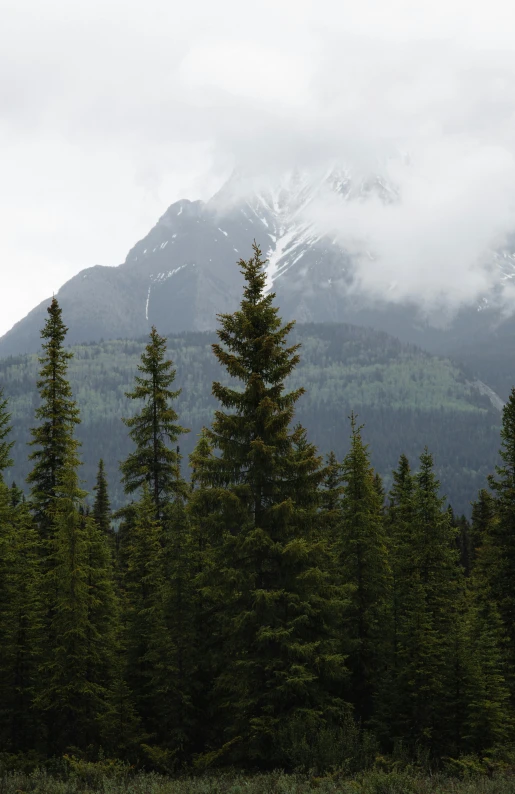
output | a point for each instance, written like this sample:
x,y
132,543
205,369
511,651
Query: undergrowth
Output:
x,y
74,776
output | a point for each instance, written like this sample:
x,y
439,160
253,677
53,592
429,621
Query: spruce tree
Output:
x,y
482,520
52,439
101,506
487,717
393,713
424,703
21,625
203,508
267,574
154,429
331,498
502,568
430,640
179,661
363,563
81,616
20,608
5,429
145,616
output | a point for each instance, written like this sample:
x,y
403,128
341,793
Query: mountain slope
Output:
x,y
405,397
184,271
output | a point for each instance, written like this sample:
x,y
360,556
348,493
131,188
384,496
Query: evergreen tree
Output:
x,y
487,719
202,500
381,493
431,662
481,529
424,703
268,574
53,438
502,529
21,623
363,563
393,712
331,498
102,507
179,662
145,616
5,429
81,611
154,429
203,508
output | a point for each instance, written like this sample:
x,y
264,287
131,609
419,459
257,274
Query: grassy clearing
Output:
x,y
90,780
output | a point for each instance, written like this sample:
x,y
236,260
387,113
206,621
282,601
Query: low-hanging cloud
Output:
x,y
436,243
110,111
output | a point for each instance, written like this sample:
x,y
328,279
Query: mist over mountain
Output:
x,y
184,272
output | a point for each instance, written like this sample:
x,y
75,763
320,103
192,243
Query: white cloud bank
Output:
x,y
111,110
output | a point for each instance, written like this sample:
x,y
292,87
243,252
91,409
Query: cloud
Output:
x,y
111,110
434,244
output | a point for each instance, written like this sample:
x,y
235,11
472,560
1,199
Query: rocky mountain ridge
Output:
x,y
184,272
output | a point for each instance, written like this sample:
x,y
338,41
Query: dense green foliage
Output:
x,y
404,397
275,612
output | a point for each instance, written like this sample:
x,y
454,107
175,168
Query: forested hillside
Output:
x,y
406,398
259,606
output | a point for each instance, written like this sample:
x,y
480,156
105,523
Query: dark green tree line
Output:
x,y
272,611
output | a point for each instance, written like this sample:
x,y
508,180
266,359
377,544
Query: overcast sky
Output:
x,y
112,109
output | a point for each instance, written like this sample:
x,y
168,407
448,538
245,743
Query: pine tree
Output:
x,y
424,701
393,712
487,720
81,610
268,573
145,615
179,662
21,623
5,429
154,429
481,529
203,508
20,608
431,629
53,438
363,562
202,500
102,507
331,498
502,547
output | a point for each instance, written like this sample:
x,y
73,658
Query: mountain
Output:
x,y
406,398
184,271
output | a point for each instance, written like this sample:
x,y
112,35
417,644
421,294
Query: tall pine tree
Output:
x,y
81,621
268,574
154,429
363,563
21,625
502,532
427,591
52,439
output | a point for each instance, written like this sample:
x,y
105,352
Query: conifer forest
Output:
x,y
254,606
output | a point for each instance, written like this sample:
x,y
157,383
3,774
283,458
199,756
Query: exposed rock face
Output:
x,y
184,272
